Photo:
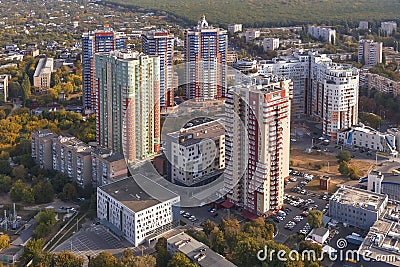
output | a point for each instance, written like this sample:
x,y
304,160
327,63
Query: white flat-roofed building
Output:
x,y
130,211
196,251
369,138
42,75
357,207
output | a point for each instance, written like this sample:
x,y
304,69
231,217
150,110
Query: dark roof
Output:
x,y
25,235
391,178
135,197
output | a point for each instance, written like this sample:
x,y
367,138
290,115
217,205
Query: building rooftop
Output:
x,y
45,134
191,248
75,144
320,231
359,198
194,134
44,66
383,236
135,197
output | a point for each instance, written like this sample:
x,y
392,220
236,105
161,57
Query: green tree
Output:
x,y
309,246
208,227
19,172
17,190
26,88
344,168
162,254
4,241
43,192
246,250
104,259
315,218
180,260
129,260
33,249
69,192
344,155
231,230
217,241
5,183
68,259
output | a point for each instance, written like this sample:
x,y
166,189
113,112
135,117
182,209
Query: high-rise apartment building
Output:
x,y
105,40
270,44
42,75
161,43
205,50
369,52
128,110
257,144
322,89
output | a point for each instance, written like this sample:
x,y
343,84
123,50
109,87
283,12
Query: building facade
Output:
x,y
132,213
205,50
234,28
326,34
388,27
128,107
42,148
270,44
42,75
105,40
252,34
72,157
4,80
384,183
196,154
80,162
161,43
369,138
257,144
107,167
357,207
369,52
372,81
363,25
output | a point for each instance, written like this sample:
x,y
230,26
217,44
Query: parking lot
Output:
x,y
301,204
202,214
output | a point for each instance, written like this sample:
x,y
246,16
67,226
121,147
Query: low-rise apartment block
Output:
x,y
379,83
72,157
196,154
130,211
252,34
77,160
42,75
196,251
357,207
107,167
369,138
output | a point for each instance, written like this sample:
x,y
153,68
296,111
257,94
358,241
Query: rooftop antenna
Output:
x,y
5,221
